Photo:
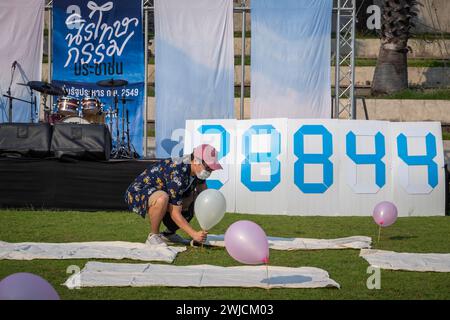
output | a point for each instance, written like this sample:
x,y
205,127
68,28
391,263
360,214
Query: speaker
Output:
x,y
81,141
25,139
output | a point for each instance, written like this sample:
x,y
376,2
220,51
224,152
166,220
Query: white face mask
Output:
x,y
203,175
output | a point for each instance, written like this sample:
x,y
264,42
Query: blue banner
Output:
x,y
102,40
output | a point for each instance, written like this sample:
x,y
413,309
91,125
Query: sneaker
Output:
x,y
169,237
155,240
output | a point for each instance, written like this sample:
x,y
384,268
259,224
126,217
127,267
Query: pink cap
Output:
x,y
208,154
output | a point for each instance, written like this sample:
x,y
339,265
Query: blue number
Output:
x,y
259,157
224,147
313,158
426,160
375,159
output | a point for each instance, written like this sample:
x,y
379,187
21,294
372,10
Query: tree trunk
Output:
x,y
391,72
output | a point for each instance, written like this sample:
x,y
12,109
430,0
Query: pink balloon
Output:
x,y
247,243
385,213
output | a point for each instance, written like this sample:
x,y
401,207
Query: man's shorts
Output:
x,y
140,201
171,225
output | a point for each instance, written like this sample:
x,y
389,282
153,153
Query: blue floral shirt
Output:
x,y
170,175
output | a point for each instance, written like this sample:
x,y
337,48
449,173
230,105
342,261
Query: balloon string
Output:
x,y
203,242
379,233
267,274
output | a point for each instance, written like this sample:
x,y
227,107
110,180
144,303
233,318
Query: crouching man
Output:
x,y
166,193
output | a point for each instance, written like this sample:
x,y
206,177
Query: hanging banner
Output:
x,y
21,34
325,167
194,76
102,41
291,53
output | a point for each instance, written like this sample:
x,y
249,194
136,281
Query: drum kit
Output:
x,y
87,110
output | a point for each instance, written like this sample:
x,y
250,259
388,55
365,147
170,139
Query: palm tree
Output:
x,y
391,72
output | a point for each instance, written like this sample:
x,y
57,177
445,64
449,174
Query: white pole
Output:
x,y
146,80
242,62
352,89
336,67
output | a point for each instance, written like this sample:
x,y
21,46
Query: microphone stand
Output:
x,y
33,110
128,135
13,70
8,94
116,105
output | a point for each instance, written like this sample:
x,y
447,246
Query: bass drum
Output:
x,y
77,120
95,119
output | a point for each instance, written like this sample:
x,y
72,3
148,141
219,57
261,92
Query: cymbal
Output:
x,y
112,83
45,88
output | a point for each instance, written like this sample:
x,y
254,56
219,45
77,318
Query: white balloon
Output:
x,y
210,207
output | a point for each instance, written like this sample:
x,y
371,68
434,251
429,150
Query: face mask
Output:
x,y
203,175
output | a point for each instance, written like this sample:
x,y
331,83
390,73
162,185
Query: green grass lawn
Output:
x,y
369,34
411,93
359,62
418,94
446,135
150,132
428,234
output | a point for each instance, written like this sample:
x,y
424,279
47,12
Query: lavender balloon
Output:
x,y
26,286
247,243
385,213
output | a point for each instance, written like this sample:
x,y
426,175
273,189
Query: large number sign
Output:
x,y
325,167
102,40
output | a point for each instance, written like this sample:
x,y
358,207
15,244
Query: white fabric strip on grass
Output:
x,y
390,260
88,250
277,243
98,274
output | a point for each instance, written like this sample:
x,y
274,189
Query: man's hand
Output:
x,y
200,236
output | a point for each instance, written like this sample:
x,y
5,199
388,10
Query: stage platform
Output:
x,y
78,185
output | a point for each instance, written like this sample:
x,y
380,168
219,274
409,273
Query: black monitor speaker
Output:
x,y
81,141
25,140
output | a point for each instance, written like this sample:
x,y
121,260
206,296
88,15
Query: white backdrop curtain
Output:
x,y
194,64
21,35
290,50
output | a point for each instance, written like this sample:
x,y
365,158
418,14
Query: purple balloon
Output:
x,y
26,286
385,213
247,243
